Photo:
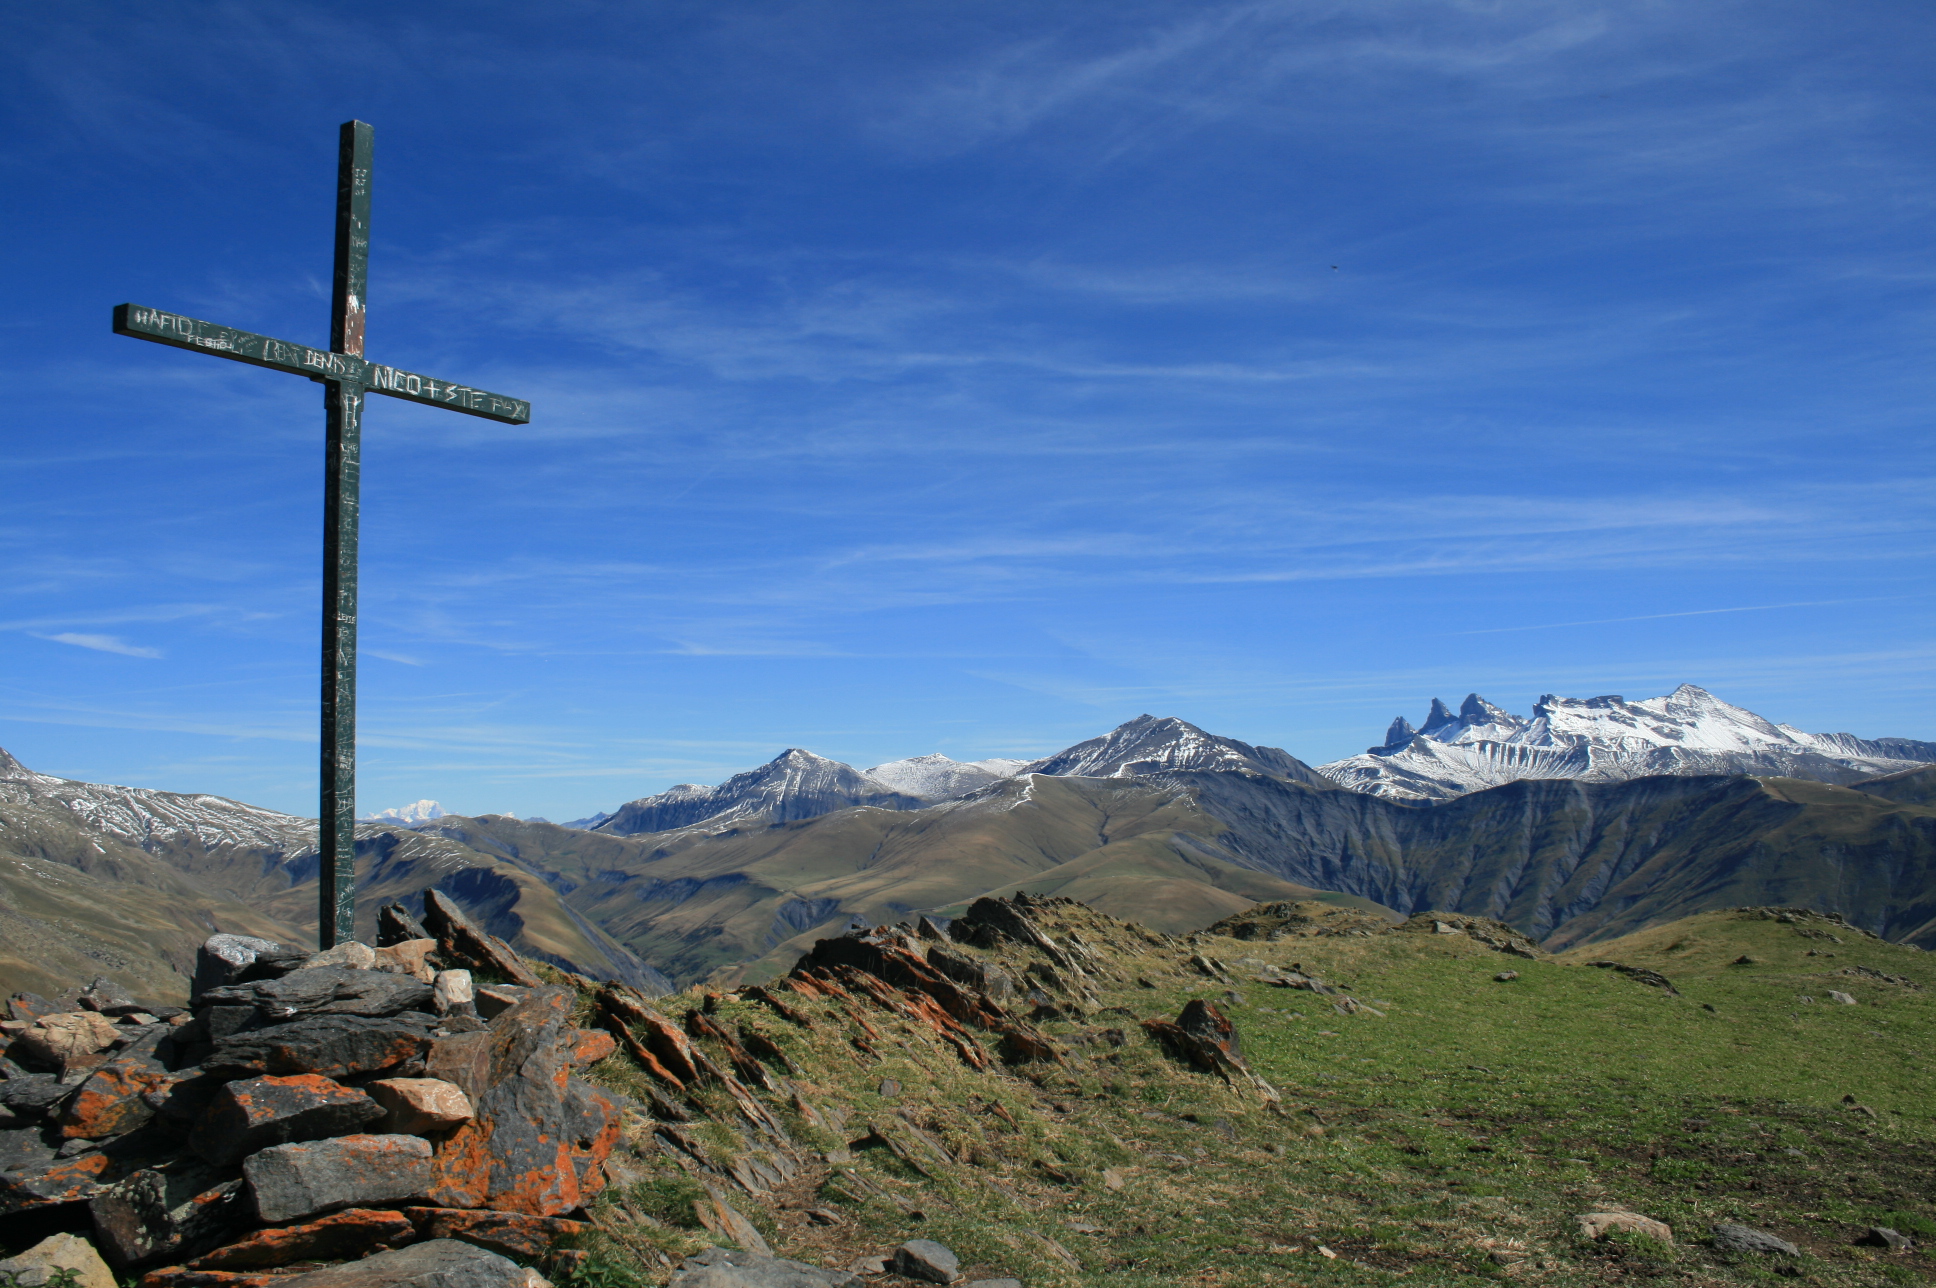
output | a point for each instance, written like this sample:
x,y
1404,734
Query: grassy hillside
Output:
x,y
748,899
1447,1130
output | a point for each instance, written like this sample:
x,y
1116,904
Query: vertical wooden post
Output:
x,y
343,402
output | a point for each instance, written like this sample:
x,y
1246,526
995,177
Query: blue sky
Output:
x,y
963,377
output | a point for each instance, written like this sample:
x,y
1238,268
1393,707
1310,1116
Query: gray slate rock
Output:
x,y
994,1283
962,969
29,1007
225,959
220,1022
245,1117
182,1103
439,1263
734,1268
289,1182
395,925
34,1095
326,990
336,1046
22,1148
173,1212
109,998
493,1000
926,1260
1881,1236
1745,1238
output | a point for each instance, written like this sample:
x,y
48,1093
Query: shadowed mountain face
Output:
x,y
1569,862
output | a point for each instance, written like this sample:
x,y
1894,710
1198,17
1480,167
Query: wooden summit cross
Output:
x,y
344,375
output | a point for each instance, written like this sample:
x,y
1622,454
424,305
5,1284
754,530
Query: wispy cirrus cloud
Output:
x,y
101,644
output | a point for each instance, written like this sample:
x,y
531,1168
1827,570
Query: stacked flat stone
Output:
x,y
324,1106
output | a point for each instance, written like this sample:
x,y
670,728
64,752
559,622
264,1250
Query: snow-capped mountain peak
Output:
x,y
1603,739
409,815
794,785
937,777
1152,744
798,784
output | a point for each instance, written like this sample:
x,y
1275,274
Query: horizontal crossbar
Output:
x,y
318,364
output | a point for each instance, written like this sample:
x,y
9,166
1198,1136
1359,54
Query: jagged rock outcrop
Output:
x,y
1205,1037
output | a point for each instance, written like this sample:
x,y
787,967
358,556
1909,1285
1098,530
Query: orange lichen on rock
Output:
x,y
511,1233
110,1101
355,1232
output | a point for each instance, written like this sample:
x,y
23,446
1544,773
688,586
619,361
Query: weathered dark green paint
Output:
x,y
350,290
346,376
318,364
342,507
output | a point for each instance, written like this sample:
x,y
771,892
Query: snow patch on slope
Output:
x,y
147,818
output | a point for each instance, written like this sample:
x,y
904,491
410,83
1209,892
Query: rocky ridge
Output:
x,y
363,1103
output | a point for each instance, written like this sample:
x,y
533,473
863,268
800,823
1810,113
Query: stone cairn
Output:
x,y
312,1107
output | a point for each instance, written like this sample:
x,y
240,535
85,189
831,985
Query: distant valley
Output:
x,y
1606,816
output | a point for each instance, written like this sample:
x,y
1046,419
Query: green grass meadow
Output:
x,y
1451,1139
